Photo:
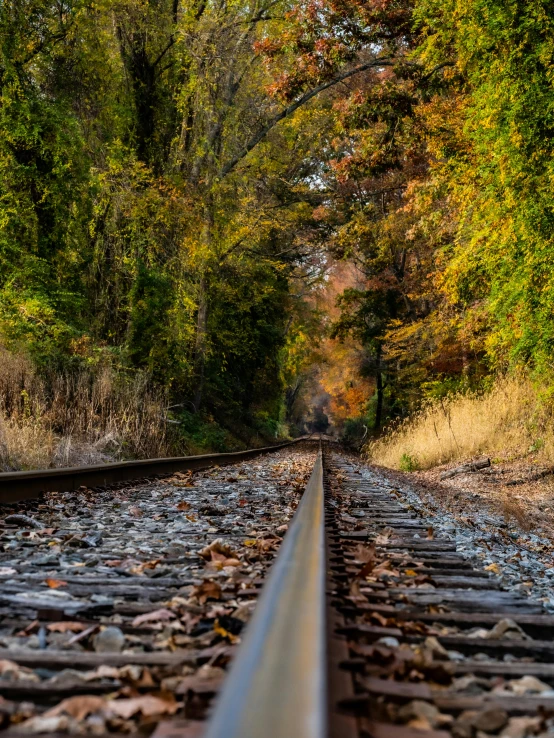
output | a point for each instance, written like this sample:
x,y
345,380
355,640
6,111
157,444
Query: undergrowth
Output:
x,y
509,421
102,414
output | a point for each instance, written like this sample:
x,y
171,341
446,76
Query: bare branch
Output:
x,y
290,109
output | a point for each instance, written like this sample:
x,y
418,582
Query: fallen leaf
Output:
x,y
139,568
430,533
383,537
220,630
410,573
42,724
364,553
218,546
208,590
369,559
146,704
17,672
55,583
79,707
66,626
266,544
136,511
182,506
34,625
153,617
493,567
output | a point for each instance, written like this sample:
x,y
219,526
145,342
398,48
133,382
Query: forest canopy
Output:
x,y
271,210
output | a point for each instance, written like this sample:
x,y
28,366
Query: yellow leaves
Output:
x,y
220,630
493,567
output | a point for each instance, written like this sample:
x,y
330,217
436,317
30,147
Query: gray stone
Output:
x,y
491,719
109,639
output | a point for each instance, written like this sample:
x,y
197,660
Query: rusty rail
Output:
x,y
26,485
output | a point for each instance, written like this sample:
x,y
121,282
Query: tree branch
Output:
x,y
290,109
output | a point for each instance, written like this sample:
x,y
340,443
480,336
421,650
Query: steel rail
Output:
x,y
276,687
26,485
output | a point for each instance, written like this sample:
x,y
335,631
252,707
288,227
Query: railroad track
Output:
x,y
367,624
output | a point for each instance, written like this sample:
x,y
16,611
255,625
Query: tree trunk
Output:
x,y
202,317
379,381
200,347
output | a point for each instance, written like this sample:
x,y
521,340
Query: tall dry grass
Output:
x,y
74,418
509,421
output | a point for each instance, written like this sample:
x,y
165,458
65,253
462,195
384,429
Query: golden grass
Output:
x,y
76,418
510,421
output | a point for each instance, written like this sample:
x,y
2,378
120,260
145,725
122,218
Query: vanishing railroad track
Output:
x,y
367,623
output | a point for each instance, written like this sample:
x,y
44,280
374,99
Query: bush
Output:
x,y
408,463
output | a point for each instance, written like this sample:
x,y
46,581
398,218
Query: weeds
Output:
x,y
408,463
508,421
79,417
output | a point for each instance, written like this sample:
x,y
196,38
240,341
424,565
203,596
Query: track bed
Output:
x,y
139,592
122,610
432,642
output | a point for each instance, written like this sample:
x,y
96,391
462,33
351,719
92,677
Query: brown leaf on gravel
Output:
x,y
55,583
219,548
383,537
139,568
136,511
146,704
78,707
430,533
34,625
155,616
369,558
183,506
365,553
219,561
113,562
17,672
208,590
66,626
266,544
377,617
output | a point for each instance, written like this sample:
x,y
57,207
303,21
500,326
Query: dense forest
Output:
x,y
222,221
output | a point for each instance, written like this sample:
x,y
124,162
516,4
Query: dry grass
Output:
x,y
509,422
76,418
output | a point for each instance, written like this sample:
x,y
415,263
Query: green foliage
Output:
x,y
130,232
201,434
408,463
500,178
355,432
